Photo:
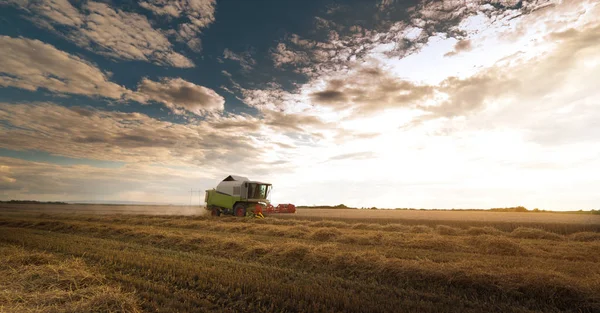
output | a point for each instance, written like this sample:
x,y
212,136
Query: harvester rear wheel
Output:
x,y
215,212
239,210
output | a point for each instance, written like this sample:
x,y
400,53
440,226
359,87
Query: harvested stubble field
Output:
x,y
83,262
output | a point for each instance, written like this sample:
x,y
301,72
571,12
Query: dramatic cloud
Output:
x,y
413,28
31,64
199,13
107,31
341,77
116,136
368,90
245,58
434,98
229,141
526,80
178,94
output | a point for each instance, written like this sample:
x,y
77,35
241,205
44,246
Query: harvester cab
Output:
x,y
238,196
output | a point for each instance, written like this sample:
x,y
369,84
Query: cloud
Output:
x,y
282,56
353,156
116,136
59,12
356,73
461,46
467,95
245,58
20,179
527,80
199,14
125,35
541,102
370,89
178,94
31,64
270,98
285,145
236,123
330,96
385,4
111,32
227,90
291,122
398,30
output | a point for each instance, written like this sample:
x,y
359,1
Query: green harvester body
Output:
x,y
238,196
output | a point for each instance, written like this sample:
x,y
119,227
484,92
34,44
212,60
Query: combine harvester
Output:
x,y
239,196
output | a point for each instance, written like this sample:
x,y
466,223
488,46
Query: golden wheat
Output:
x,y
227,264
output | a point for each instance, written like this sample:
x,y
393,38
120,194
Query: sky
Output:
x,y
387,103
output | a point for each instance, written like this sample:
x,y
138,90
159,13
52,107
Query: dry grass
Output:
x,y
585,236
499,245
227,264
483,231
447,230
532,233
469,216
32,281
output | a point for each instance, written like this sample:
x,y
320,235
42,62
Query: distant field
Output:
x,y
94,258
102,209
451,215
348,214
559,222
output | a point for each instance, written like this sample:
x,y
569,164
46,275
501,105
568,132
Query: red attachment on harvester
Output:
x,y
281,208
258,209
287,208
269,208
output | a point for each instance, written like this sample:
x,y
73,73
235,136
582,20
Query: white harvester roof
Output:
x,y
232,184
236,178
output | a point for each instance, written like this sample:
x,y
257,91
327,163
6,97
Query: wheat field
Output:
x,y
84,262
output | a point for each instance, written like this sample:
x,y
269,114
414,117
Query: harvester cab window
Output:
x,y
258,191
251,191
262,192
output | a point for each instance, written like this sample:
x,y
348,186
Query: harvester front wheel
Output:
x,y
239,210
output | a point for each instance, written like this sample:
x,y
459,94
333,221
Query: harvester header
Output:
x,y
240,196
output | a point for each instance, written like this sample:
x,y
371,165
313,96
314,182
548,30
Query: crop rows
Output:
x,y
280,265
